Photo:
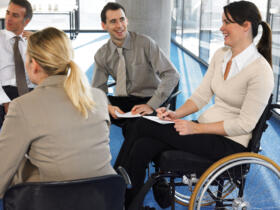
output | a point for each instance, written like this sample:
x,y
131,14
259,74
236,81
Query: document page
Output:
x,y
156,119
127,115
153,118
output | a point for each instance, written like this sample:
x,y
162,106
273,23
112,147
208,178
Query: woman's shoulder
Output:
x,y
222,51
260,71
260,66
263,62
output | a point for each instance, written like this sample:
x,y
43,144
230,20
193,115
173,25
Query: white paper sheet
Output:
x,y
156,119
127,115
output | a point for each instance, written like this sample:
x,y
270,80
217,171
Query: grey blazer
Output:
x,y
60,143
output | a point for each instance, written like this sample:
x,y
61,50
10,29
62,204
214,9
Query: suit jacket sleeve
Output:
x,y
14,143
166,71
100,74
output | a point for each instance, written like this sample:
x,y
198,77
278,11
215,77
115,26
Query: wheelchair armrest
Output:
x,y
121,171
275,106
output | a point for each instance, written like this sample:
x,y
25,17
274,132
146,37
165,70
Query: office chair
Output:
x,y
217,185
100,193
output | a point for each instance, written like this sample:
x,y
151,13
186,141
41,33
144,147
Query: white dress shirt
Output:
x,y
7,64
240,61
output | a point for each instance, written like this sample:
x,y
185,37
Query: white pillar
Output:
x,y
150,17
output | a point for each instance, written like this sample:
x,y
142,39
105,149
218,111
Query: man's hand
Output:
x,y
27,34
142,109
6,107
113,109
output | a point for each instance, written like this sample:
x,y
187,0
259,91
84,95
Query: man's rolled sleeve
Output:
x,y
168,74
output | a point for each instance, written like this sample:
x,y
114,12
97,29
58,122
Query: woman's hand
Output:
x,y
164,114
185,127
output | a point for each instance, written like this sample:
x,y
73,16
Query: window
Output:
x,y
90,14
211,37
51,13
196,26
191,25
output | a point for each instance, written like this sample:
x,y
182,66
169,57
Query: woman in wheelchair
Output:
x,y
62,126
241,80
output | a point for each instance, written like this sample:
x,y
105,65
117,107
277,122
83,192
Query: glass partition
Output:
x,y
58,14
51,13
191,25
176,20
90,14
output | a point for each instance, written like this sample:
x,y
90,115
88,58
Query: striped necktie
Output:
x,y
19,69
121,75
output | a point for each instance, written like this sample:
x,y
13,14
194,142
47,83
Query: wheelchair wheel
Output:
x,y
256,179
182,196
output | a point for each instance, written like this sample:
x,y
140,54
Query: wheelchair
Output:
x,y
199,183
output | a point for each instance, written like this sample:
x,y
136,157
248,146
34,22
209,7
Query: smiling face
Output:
x,y
14,19
116,25
237,36
231,31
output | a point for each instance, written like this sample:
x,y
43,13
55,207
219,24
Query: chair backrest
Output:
x,y
100,193
254,144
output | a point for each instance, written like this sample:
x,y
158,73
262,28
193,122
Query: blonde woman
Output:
x,y
62,124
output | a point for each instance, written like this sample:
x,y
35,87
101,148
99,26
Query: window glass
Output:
x,y
51,13
58,14
176,20
90,14
211,36
199,22
191,25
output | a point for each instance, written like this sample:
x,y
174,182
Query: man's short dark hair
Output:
x,y
110,6
26,4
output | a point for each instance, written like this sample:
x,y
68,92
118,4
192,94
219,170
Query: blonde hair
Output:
x,y
52,50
